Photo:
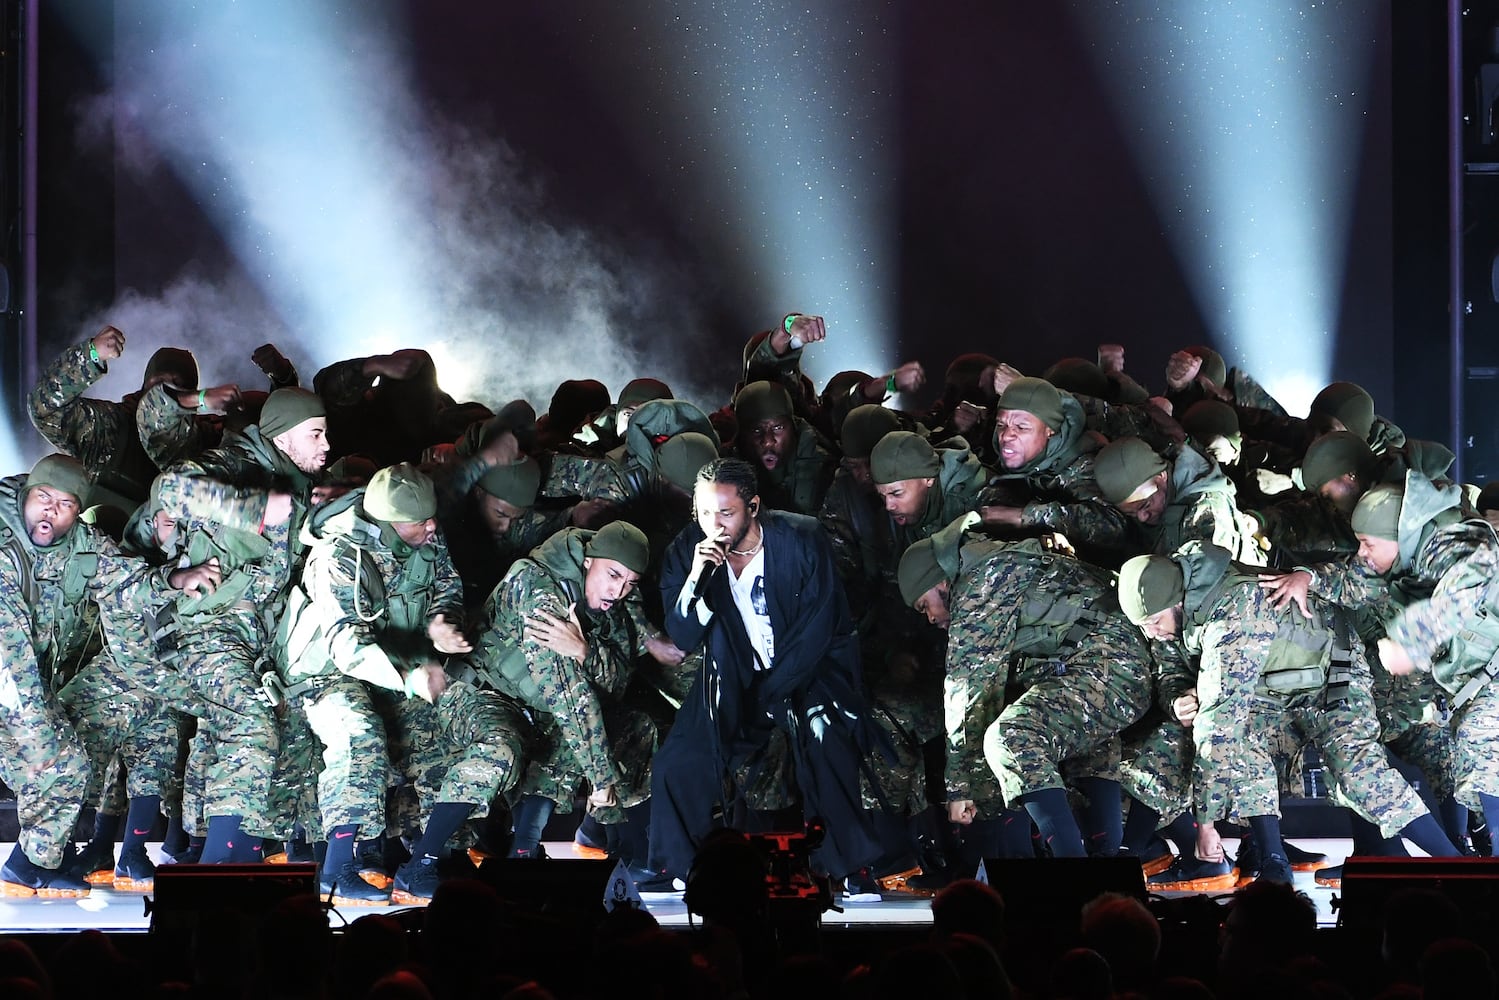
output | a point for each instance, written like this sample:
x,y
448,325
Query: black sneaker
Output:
x,y
415,883
1331,876
1304,861
135,871
348,888
369,857
860,886
189,855
1248,862
1188,873
95,864
19,877
1275,868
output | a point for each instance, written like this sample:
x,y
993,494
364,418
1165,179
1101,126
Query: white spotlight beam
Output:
x,y
1246,120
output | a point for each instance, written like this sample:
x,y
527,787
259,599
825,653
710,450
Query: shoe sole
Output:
x,y
400,897
1209,884
354,901
378,879
1312,866
1157,865
279,858
592,853
104,876
900,882
1331,883
17,890
124,883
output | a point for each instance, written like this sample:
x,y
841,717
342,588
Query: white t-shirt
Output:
x,y
749,598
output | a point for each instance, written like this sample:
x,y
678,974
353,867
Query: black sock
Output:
x,y
220,843
1182,832
1266,831
1059,831
632,837
340,847
1367,839
139,820
1139,827
530,816
1103,816
1017,834
445,820
1427,834
176,840
106,829
1454,817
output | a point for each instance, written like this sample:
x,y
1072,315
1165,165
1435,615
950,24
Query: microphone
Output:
x,y
704,582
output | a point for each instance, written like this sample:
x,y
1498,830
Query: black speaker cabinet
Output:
x,y
184,894
1368,884
1056,888
571,890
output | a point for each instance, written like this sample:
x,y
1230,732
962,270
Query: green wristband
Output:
x,y
890,385
93,353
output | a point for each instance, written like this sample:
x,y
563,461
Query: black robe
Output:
x,y
813,690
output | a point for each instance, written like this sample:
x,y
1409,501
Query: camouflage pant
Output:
x,y
467,748
1073,712
1156,766
1475,745
114,708
44,763
293,798
220,662
356,761
1243,783
200,761
553,773
910,721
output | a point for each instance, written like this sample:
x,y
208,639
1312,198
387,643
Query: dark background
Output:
x,y
1024,229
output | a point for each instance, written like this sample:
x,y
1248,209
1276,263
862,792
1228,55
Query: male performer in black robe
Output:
x,y
781,653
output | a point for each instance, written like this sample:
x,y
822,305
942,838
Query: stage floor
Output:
x,y
107,910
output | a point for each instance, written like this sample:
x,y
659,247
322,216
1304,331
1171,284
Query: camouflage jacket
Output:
x,y
652,424
1305,528
219,501
1442,587
50,598
100,433
1240,639
365,599
556,688
171,434
1141,420
1011,603
1202,506
1065,492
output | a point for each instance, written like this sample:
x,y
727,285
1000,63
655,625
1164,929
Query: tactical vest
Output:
x,y
58,628
508,671
239,553
1054,617
1306,655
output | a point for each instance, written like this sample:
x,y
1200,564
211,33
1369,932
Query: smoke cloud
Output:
x,y
359,220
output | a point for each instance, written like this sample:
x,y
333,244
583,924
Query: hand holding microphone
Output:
x,y
710,554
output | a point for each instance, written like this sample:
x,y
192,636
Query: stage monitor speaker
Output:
x,y
1368,883
184,894
573,890
1049,893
